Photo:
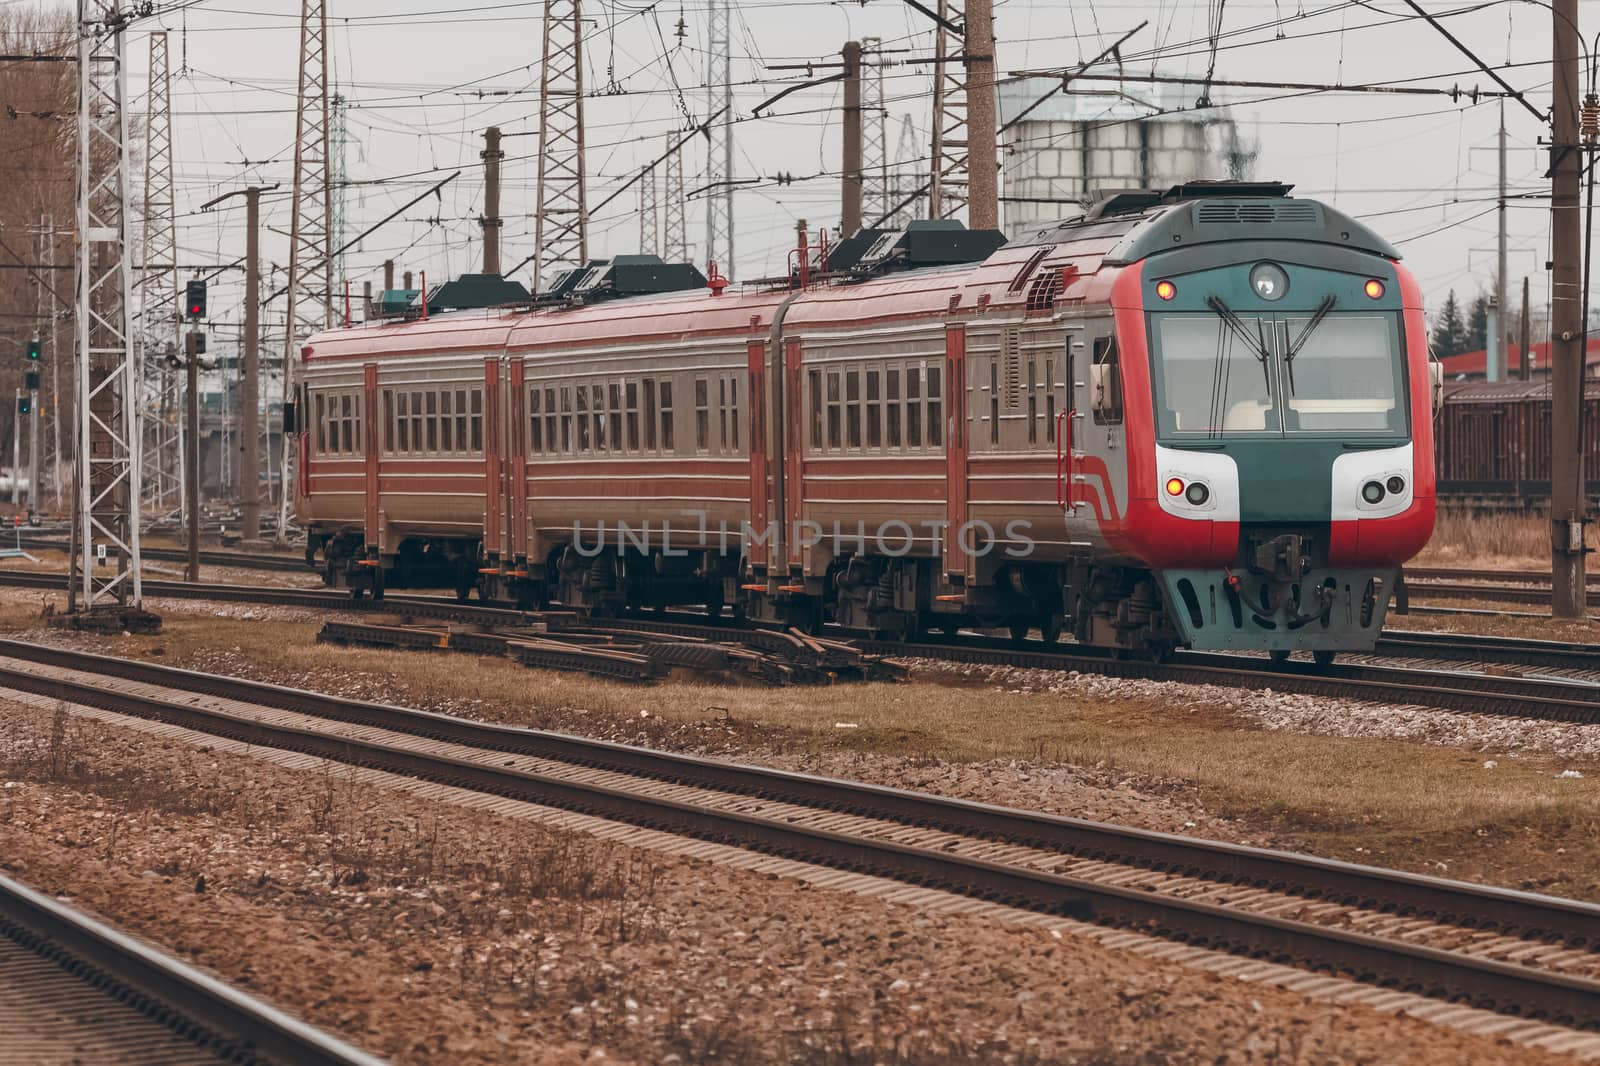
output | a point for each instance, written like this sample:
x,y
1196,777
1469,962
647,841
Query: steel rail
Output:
x,y
1451,590
193,1004
208,556
1503,986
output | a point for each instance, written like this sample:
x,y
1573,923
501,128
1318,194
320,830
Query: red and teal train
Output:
x,y
1199,418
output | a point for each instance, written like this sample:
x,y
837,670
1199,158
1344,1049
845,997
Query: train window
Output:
x,y
614,413
733,411
667,444
346,423
566,418
416,421
322,429
1049,400
816,409
431,423
650,414
583,417
550,418
702,414
388,420
852,408
935,407
535,423
461,420
598,394
476,420
402,422
994,403
891,407
1033,404
1109,412
447,437
874,411
913,407
834,414
631,392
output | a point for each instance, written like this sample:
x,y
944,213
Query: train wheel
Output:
x,y
1279,656
356,593
1050,630
1019,631
1324,658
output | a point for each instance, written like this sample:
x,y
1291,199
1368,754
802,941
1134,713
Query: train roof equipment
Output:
x,y
622,275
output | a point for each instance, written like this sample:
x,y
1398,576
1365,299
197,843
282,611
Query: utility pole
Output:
x,y
719,149
250,379
106,515
674,211
33,449
309,297
561,220
983,167
191,465
491,221
49,350
850,211
1525,356
388,274
1567,333
1497,362
16,450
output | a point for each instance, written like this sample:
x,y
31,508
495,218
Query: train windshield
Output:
x,y
1228,376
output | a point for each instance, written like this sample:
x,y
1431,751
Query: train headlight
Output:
x,y
1269,281
1174,486
1373,288
1166,290
1397,484
1372,492
1198,494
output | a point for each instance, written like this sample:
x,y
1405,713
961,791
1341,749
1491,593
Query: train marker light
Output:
x,y
1198,494
1373,288
1372,492
1166,290
1174,486
1397,484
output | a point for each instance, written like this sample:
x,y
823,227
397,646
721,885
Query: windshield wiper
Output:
x,y
1240,330
1300,342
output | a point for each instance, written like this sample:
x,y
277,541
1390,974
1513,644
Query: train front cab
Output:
x,y
1287,466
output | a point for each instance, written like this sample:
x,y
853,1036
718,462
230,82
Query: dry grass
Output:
x,y
1489,541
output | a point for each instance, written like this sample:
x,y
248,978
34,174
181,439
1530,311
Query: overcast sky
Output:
x,y
1419,169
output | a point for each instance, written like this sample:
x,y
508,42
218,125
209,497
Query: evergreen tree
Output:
x,y
1450,332
1477,338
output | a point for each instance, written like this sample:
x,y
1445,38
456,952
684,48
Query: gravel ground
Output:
x,y
434,934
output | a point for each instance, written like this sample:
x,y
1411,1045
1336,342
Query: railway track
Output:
x,y
74,989
1536,697
208,556
1512,952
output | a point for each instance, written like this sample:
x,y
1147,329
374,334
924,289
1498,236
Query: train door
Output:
x,y
757,435
493,478
371,440
794,456
1092,466
517,464
956,559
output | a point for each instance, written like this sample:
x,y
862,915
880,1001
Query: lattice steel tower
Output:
x,y
947,193
158,334
875,190
338,145
719,155
674,215
561,222
310,290
106,374
649,216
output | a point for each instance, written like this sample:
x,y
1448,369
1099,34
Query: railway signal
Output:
x,y
195,299
33,348
24,405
